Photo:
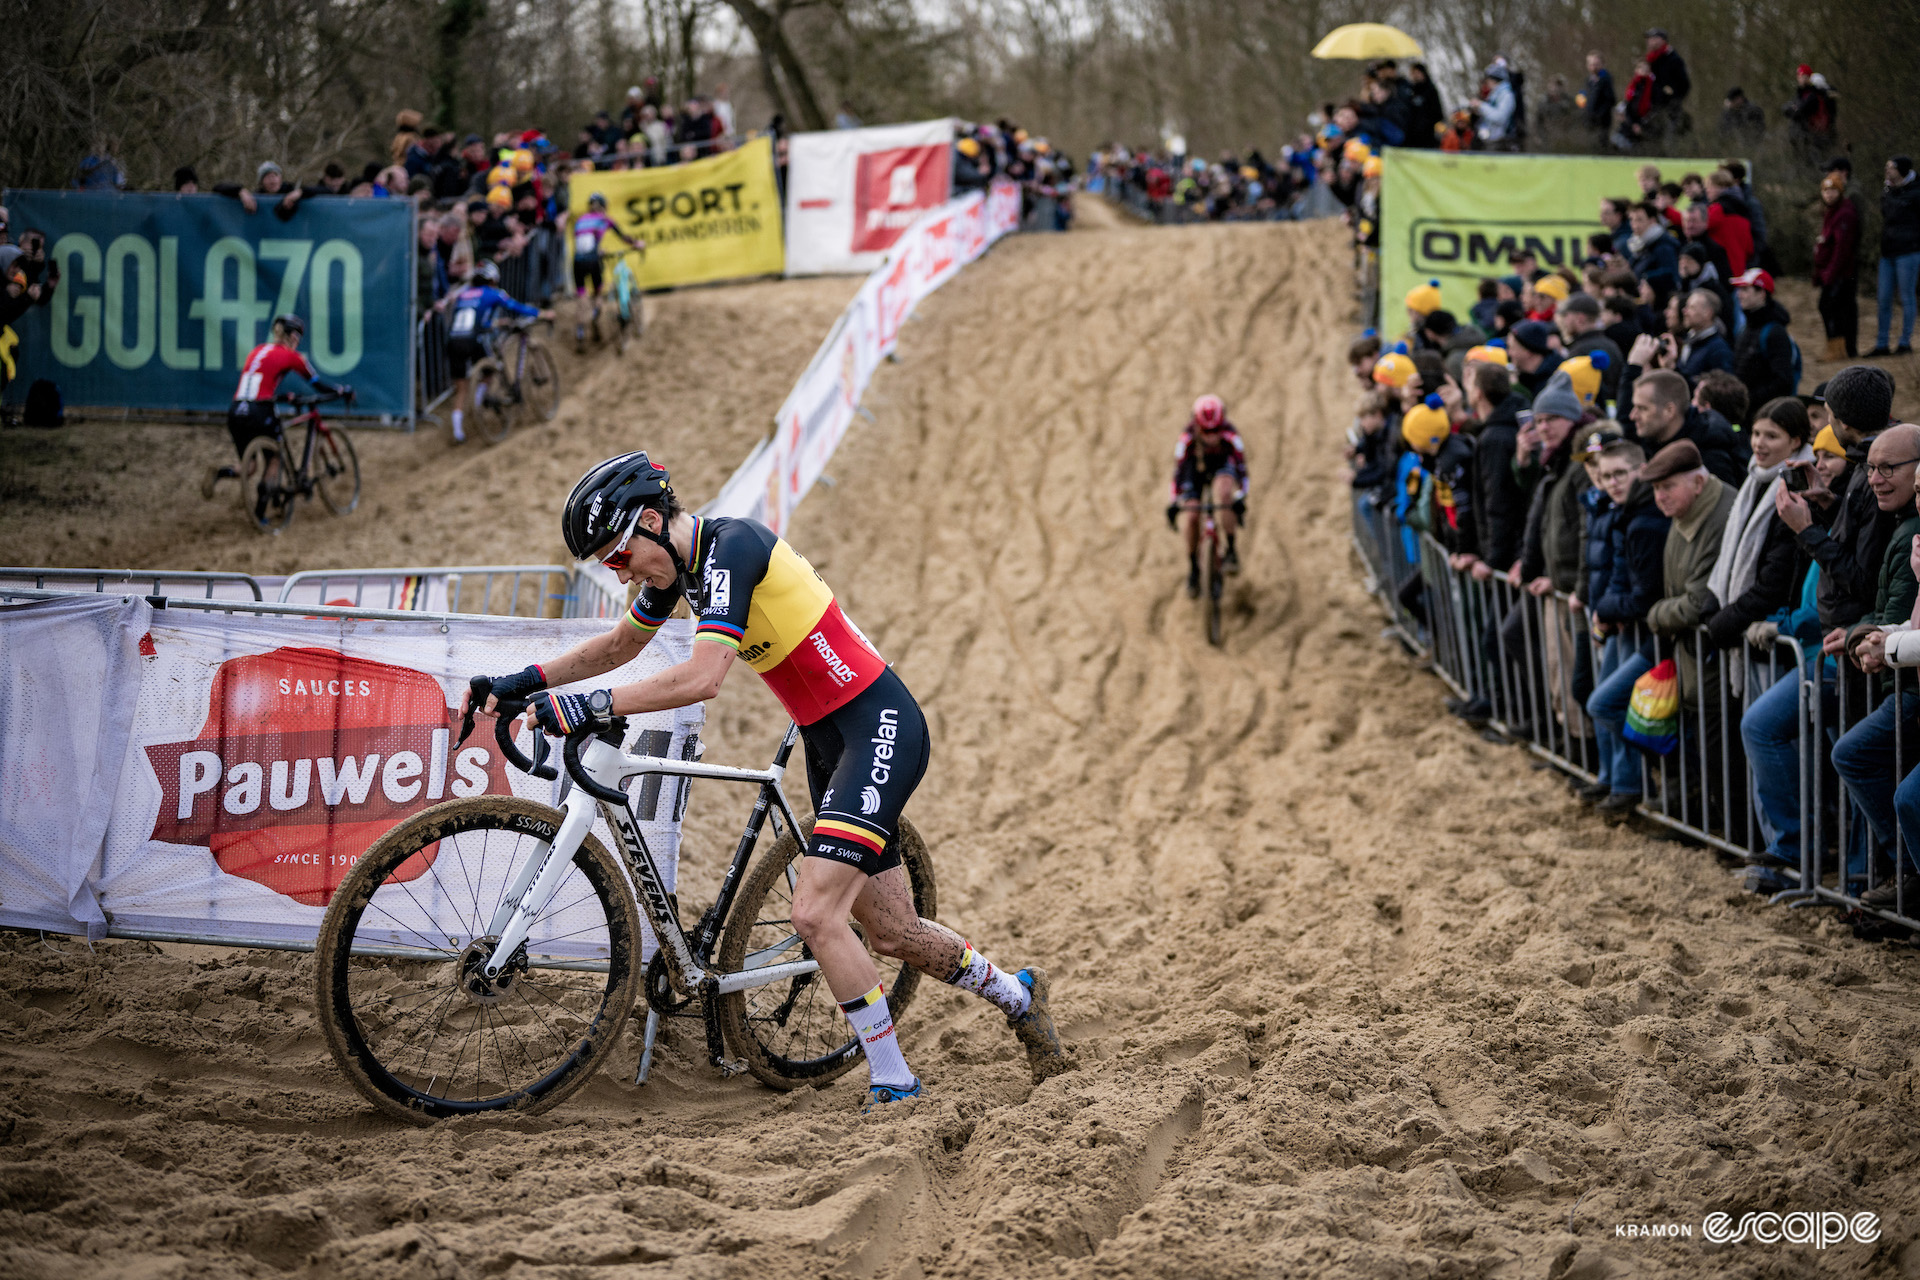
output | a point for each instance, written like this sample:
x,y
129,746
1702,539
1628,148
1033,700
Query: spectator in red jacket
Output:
x,y
1836,267
1727,224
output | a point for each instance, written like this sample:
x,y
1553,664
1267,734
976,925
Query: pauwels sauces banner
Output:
x,y
852,193
306,757
1459,218
265,755
712,219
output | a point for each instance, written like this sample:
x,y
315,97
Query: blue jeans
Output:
x,y
1621,663
1865,761
1903,274
1771,731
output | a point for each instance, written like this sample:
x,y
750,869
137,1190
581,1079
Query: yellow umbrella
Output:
x,y
1362,40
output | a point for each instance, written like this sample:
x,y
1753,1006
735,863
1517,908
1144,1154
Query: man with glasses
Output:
x,y
755,598
1849,556
1209,456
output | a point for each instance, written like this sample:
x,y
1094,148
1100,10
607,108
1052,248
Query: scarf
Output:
x,y
1639,244
1739,562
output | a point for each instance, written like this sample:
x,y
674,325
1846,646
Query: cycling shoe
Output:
x,y
1035,1029
1230,563
1193,582
881,1094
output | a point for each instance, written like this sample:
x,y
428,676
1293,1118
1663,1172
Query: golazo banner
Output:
x,y
770,483
712,219
217,776
161,297
852,192
1458,218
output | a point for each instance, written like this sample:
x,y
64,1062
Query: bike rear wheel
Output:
x,y
265,495
336,470
540,383
1216,587
792,1033
493,412
401,991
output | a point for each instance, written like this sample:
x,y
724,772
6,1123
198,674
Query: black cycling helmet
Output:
x,y
596,200
487,271
291,323
607,503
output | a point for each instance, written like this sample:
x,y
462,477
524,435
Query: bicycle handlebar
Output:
x,y
480,688
570,753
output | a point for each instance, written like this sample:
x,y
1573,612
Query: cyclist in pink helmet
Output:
x,y
1209,455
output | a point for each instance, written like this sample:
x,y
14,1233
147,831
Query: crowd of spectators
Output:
x,y
1626,440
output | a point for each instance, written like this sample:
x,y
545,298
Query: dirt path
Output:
x,y
1356,994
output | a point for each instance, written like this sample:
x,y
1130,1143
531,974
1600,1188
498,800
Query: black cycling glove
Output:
x,y
521,685
561,714
1240,509
1173,515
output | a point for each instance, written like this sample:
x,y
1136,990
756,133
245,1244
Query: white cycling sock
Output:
x,y
873,1022
991,983
459,432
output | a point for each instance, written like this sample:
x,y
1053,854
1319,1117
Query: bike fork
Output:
x,y
536,882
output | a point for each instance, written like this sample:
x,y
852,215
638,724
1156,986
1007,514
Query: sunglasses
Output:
x,y
618,558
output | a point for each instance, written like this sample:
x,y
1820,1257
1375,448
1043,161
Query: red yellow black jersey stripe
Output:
x,y
761,597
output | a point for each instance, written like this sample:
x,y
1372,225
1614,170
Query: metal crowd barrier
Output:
x,y
159,582
1535,662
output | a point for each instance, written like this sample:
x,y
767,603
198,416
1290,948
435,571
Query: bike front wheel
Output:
x,y
265,495
402,990
336,471
540,383
1216,588
792,1033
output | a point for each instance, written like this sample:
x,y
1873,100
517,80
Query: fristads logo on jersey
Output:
x,y
306,757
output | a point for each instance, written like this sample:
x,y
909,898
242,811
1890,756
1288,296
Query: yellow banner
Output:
x,y
713,219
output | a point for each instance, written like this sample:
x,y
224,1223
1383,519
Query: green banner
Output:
x,y
161,297
1458,218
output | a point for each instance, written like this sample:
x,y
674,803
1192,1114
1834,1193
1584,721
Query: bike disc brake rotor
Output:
x,y
471,969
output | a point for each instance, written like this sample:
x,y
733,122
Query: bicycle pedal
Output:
x,y
730,1067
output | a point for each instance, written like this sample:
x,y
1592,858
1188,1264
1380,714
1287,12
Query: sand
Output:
x,y
1355,993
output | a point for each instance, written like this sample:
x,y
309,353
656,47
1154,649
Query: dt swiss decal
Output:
x,y
306,758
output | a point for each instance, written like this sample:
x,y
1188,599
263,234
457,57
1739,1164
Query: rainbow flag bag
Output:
x,y
1653,716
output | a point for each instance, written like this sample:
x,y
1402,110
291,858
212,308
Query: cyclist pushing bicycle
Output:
x,y
754,597
469,336
252,414
589,271
1209,457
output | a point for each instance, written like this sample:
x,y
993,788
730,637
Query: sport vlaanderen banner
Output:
x,y
1457,218
161,297
712,219
852,192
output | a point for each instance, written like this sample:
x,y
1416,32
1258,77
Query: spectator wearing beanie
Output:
x,y
1581,334
1636,546
1699,506
1533,355
1849,555
1500,498
1422,301
1764,357
1899,254
1550,550
1836,267
1447,457
1662,413
1865,756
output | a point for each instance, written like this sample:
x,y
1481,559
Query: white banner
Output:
x,y
776,475
260,756
851,193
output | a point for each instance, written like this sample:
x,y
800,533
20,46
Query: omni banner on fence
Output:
x,y
712,219
216,776
161,297
851,193
1458,218
820,408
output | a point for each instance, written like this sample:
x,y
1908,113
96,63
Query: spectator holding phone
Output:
x,y
1760,570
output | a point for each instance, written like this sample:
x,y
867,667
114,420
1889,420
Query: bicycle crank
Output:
x,y
661,995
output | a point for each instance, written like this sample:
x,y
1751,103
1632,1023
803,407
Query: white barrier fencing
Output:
x,y
820,408
1534,663
851,193
210,771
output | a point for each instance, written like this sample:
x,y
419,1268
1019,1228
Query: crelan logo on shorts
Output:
x,y
1472,247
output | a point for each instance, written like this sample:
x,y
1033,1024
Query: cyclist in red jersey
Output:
x,y
251,414
756,599
1209,456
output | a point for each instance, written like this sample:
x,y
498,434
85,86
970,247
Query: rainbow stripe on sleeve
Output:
x,y
720,631
642,619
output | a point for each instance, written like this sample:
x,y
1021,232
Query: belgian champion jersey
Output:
x,y
762,598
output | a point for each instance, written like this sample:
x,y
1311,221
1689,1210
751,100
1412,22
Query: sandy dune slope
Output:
x,y
1355,994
